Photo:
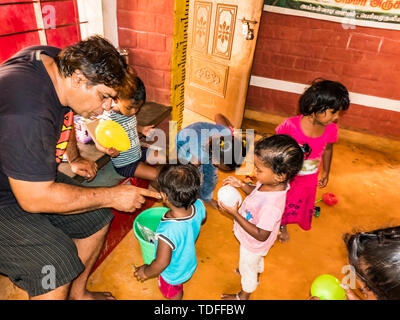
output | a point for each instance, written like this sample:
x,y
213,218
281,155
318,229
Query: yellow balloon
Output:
x,y
110,134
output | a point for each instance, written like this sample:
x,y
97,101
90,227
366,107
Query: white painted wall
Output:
x,y
101,17
110,21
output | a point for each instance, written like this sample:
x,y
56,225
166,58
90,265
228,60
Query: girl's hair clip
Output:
x,y
244,142
221,144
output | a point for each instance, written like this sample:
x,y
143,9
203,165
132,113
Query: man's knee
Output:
x,y
60,293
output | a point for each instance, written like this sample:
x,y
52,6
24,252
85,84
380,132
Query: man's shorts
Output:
x,y
37,252
169,290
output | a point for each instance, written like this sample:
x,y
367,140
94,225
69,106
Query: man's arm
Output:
x,y
61,198
84,167
72,150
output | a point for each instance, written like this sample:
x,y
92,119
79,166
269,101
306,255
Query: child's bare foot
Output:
x,y
283,235
236,296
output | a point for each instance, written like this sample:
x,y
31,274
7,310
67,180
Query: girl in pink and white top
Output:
x,y
315,131
277,160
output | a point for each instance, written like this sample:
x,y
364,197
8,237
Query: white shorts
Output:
x,y
250,265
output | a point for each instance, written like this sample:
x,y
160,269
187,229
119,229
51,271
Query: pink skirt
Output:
x,y
300,200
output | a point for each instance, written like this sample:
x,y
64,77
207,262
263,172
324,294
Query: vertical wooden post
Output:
x,y
178,69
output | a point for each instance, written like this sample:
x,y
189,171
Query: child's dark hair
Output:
x,y
375,256
181,184
231,151
133,89
282,154
323,95
139,96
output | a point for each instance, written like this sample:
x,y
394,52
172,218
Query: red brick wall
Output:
x,y
297,49
146,29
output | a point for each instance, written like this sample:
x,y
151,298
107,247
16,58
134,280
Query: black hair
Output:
x,y
323,95
231,151
133,89
98,60
375,255
181,184
139,97
282,154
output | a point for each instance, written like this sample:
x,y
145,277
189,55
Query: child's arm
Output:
x,y
110,151
162,260
251,229
234,182
91,128
146,130
204,219
326,165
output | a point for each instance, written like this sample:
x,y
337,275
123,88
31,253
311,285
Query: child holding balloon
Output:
x,y
130,163
315,131
277,160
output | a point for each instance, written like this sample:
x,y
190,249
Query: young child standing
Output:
x,y
175,260
210,147
315,131
130,163
277,160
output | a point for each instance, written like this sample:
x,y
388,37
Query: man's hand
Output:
x,y
84,167
128,198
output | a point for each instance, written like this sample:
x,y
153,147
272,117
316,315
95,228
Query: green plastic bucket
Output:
x,y
149,218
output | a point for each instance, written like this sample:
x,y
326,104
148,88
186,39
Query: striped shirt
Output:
x,y
129,124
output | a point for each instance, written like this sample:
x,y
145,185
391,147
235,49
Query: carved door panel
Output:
x,y
219,57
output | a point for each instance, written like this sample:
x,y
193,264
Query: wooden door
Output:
x,y
219,58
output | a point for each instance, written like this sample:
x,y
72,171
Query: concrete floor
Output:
x,y
364,176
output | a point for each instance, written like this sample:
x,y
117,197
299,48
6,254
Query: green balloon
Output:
x,y
327,287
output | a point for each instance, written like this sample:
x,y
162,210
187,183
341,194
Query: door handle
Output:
x,y
243,20
247,31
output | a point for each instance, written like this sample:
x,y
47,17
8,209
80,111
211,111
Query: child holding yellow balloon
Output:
x,y
130,161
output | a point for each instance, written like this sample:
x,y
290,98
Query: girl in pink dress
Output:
x,y
277,160
315,131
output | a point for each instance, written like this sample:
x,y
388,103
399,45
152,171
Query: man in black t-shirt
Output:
x,y
52,230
